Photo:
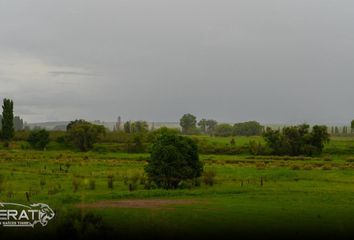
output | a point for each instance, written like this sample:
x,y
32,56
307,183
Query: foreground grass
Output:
x,y
269,194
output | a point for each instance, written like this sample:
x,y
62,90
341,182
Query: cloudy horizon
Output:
x,y
275,61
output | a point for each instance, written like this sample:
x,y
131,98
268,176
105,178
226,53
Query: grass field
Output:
x,y
269,195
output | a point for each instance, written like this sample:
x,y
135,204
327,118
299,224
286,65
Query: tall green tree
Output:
x,y
345,130
8,130
203,125
173,159
188,123
211,125
139,127
319,136
84,134
352,126
336,130
127,127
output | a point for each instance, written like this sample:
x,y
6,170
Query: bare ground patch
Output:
x,y
139,203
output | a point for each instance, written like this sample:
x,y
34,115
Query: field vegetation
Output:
x,y
103,183
238,190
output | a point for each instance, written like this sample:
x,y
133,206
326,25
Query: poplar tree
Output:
x,y
8,130
336,130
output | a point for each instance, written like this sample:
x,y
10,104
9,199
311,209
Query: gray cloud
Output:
x,y
273,61
60,73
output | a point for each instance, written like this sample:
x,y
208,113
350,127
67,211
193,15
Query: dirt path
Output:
x,y
138,203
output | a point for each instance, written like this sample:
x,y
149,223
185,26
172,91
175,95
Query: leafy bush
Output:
x,y
114,137
38,139
297,140
21,135
149,185
173,159
25,146
251,128
100,148
223,130
136,144
154,135
84,134
205,147
64,140
256,148
75,224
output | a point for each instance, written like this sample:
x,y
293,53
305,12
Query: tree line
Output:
x,y
137,137
189,123
297,140
343,130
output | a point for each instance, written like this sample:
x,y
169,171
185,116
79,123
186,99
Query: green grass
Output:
x,y
310,194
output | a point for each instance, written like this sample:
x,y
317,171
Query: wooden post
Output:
x,y
28,197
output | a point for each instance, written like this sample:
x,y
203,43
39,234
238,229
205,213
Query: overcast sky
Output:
x,y
275,61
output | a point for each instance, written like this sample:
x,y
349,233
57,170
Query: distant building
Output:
x,y
118,126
